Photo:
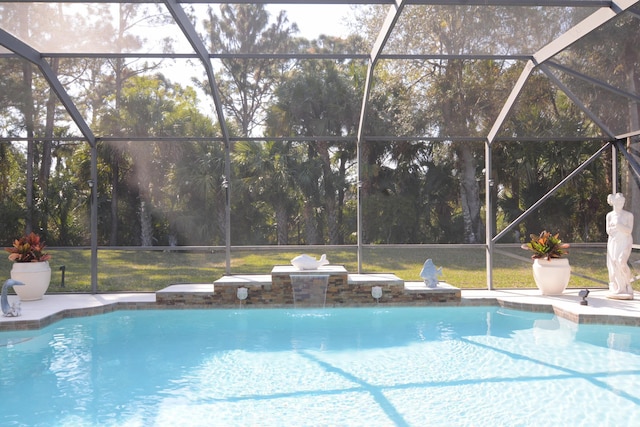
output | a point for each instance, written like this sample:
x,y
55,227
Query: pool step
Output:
x,y
375,279
444,292
248,280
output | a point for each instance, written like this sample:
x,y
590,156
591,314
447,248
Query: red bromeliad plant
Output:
x,y
546,245
28,249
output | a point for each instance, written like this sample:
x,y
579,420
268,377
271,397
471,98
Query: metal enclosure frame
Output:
x,y
541,60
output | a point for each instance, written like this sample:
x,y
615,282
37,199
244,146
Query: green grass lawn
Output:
x,y
464,267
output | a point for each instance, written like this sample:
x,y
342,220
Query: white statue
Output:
x,y
619,227
306,262
430,274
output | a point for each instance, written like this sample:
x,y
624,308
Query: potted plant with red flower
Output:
x,y
551,272
31,266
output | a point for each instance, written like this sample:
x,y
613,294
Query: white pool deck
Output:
x,y
600,309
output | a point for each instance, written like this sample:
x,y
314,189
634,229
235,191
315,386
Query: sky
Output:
x,y
314,20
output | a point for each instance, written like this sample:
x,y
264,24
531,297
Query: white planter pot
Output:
x,y
551,276
36,277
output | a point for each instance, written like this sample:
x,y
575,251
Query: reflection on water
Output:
x,y
619,341
556,332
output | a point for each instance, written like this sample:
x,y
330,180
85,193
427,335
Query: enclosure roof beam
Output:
x,y
568,38
511,100
595,82
30,54
629,135
190,33
198,46
387,27
584,27
594,118
313,139
633,163
284,56
551,192
385,32
530,3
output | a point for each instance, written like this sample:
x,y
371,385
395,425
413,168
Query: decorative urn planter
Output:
x,y
550,272
36,277
31,266
551,275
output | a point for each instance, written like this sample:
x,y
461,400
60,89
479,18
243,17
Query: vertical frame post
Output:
x,y
488,188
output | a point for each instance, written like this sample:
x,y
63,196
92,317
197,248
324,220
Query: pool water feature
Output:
x,y
479,366
309,290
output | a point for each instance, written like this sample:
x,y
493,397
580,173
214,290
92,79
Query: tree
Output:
x,y
154,107
459,97
266,171
197,182
526,170
610,54
11,193
103,83
317,99
246,84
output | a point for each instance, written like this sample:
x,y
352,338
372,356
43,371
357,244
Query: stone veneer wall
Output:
x,y
281,284
279,293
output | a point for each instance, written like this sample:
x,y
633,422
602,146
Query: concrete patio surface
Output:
x,y
38,314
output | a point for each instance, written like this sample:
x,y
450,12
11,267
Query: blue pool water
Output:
x,y
337,367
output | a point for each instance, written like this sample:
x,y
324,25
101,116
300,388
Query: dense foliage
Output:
x,y
161,164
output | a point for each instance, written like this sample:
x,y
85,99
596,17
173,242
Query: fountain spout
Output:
x,y
242,293
14,309
376,292
309,290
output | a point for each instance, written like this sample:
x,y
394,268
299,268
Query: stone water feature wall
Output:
x,y
275,290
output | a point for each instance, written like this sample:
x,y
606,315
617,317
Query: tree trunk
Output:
x,y
365,187
310,223
115,175
282,224
342,174
45,165
143,173
469,194
146,226
27,79
330,204
221,213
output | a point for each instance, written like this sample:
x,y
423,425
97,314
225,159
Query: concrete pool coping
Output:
x,y
601,310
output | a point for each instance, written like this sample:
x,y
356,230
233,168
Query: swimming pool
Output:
x,y
480,366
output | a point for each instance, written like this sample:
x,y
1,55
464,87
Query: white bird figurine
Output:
x,y
430,274
14,309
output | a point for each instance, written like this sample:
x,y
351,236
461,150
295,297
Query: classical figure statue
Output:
x,y
619,227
